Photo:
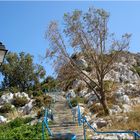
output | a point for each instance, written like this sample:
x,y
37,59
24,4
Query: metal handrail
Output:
x,y
82,119
45,123
70,106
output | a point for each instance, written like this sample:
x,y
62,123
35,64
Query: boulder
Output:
x,y
115,109
119,93
126,108
125,99
22,95
94,125
71,93
101,123
90,103
132,89
135,101
121,97
6,98
83,92
2,119
91,97
124,137
28,107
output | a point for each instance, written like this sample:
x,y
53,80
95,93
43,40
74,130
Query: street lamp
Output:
x,y
3,52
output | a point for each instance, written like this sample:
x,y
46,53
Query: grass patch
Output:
x,y
133,122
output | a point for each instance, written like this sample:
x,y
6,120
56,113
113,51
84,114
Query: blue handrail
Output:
x,y
70,106
45,123
82,119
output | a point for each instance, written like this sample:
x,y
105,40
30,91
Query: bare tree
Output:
x,y
88,34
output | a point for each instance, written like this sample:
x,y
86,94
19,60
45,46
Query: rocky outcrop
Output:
x,y
2,119
6,98
122,73
22,95
28,107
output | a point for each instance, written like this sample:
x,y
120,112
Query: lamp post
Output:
x,y
3,52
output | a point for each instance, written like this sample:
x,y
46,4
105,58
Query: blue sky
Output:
x,y
23,24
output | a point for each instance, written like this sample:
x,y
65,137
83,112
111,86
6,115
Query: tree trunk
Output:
x,y
104,105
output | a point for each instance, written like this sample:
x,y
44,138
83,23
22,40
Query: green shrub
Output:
x,y
6,108
19,102
16,123
19,121
14,89
22,132
38,93
77,100
137,68
43,101
39,101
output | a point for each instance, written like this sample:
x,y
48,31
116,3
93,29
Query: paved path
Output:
x,y
63,120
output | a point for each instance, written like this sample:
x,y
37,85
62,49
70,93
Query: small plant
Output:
x,y
19,101
19,121
77,100
6,108
43,101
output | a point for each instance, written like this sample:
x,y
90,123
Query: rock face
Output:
x,y
2,119
122,73
28,107
6,98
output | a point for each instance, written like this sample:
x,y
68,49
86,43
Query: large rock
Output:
x,y
91,97
119,93
132,89
83,92
28,107
22,95
94,125
2,119
121,97
6,98
126,108
115,109
135,101
101,123
71,93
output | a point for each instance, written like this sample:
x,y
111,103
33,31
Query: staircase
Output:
x,y
63,121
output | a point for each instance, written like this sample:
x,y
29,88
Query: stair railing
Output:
x,y
70,106
45,123
82,119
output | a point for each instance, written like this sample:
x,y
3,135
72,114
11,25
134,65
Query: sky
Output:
x,y
23,24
